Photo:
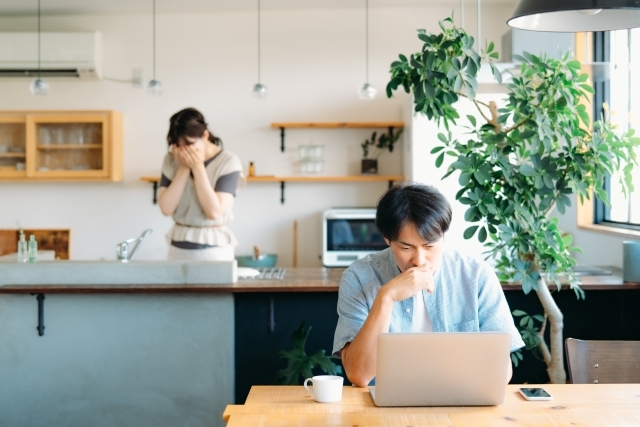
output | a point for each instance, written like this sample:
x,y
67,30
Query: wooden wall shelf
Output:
x,y
337,125
70,147
332,125
283,179
349,178
307,178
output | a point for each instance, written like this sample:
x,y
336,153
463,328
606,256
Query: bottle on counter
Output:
x,y
252,169
33,249
23,255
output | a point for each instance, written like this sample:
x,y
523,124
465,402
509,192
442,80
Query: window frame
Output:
x,y
593,213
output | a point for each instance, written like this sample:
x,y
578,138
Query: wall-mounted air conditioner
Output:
x,y
61,54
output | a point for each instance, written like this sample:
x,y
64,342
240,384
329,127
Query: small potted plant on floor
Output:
x,y
376,147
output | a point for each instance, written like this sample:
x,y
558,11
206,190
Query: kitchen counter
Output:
x,y
66,277
172,343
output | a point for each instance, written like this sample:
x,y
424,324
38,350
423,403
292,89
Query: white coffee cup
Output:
x,y
326,388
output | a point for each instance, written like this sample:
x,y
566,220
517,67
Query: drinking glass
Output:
x,y
44,135
58,134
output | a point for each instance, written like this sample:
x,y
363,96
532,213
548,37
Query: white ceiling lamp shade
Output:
x,y
366,91
39,86
154,87
571,16
259,90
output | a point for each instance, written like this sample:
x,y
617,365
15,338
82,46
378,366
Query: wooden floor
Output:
x,y
572,405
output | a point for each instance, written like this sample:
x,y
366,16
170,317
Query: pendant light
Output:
x,y
38,86
571,16
259,90
367,92
154,87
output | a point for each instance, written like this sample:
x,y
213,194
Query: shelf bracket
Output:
x,y
390,184
155,193
282,139
271,317
40,328
282,192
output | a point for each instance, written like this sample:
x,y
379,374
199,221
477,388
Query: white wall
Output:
x,y
312,63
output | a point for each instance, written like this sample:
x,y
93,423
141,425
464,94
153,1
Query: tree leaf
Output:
x,y
574,64
470,214
469,232
429,91
527,170
472,120
482,235
439,160
457,85
464,178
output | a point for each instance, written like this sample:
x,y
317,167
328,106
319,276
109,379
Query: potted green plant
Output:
x,y
377,147
299,365
520,164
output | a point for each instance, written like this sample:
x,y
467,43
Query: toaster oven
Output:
x,y
349,234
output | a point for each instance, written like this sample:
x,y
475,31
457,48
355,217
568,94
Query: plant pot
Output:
x,y
264,260
369,166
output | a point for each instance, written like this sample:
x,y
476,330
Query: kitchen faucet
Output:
x,y
122,249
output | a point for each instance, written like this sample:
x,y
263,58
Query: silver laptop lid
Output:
x,y
442,369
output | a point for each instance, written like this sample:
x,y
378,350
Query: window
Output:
x,y
622,93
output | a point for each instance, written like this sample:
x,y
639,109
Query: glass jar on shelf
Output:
x,y
311,159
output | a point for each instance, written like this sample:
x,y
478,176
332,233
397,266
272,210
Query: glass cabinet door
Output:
x,y
69,147
12,146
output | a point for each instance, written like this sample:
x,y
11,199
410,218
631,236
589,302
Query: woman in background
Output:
x,y
197,188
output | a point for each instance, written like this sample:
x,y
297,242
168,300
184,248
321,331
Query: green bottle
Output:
x,y
33,249
23,255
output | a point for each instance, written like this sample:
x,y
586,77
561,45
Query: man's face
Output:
x,y
410,250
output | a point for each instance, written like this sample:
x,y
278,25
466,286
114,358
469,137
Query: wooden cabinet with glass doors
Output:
x,y
61,145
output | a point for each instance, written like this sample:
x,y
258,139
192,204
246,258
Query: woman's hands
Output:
x,y
189,156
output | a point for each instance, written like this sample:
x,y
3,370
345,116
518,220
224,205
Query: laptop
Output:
x,y
441,369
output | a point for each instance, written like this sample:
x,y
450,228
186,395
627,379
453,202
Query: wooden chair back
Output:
x,y
603,362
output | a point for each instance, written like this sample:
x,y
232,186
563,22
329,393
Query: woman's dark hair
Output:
x,y
188,123
421,205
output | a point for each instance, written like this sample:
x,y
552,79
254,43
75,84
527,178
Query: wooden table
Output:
x,y
572,405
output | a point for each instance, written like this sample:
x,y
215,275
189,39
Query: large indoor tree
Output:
x,y
519,165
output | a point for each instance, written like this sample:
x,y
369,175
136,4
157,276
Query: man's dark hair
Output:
x,y
421,205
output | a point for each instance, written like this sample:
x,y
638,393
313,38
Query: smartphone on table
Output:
x,y
534,393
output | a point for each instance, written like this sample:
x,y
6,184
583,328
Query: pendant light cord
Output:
x,y
258,41
154,39
367,38
479,26
39,66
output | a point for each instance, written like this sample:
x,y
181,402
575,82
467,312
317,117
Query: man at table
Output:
x,y
415,285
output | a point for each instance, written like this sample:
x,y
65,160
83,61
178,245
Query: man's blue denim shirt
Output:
x,y
468,297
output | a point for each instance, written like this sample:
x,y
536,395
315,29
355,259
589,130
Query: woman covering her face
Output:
x,y
197,188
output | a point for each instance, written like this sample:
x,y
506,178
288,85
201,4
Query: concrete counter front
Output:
x,y
110,357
